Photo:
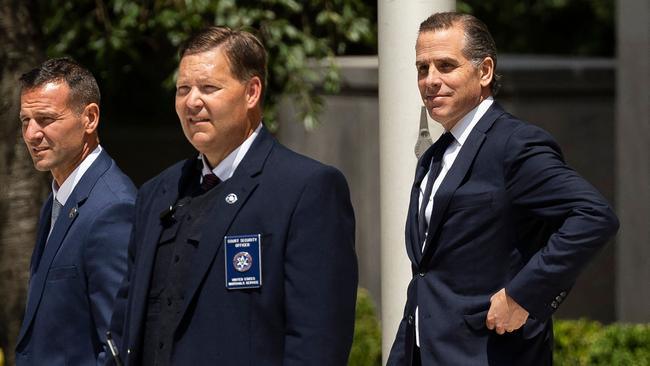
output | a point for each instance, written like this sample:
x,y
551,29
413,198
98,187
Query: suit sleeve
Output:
x,y
119,320
105,263
540,183
320,274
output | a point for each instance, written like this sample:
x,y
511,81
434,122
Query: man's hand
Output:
x,y
505,315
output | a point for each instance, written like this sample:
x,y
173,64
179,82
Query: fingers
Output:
x,y
491,319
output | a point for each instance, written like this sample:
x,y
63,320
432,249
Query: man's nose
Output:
x,y
32,132
433,77
194,99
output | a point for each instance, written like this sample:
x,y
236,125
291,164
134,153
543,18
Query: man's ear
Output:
x,y
90,118
486,70
253,91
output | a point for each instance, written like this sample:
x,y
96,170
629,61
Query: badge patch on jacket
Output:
x,y
243,261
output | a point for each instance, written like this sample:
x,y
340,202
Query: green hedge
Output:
x,y
366,347
584,342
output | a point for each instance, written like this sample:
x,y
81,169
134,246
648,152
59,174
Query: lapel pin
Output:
x,y
73,212
231,198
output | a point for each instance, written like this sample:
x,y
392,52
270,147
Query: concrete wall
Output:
x,y
633,160
573,99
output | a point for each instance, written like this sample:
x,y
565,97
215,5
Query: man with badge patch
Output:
x,y
243,255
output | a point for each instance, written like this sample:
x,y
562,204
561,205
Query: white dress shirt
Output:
x,y
63,192
226,168
460,132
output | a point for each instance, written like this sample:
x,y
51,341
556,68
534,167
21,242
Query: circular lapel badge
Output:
x,y
231,198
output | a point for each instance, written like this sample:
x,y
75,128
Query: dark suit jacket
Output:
x,y
509,214
304,312
75,277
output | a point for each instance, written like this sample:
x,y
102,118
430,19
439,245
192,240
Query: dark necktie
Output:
x,y
436,165
209,182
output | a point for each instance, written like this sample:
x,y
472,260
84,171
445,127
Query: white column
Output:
x,y
399,114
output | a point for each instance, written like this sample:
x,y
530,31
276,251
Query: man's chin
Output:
x,y
41,166
436,113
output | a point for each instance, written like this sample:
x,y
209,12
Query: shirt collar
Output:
x,y
226,168
63,192
462,129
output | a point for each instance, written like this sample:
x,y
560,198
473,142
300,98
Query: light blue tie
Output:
x,y
56,209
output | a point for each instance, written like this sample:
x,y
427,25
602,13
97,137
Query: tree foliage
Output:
x,y
123,41
560,27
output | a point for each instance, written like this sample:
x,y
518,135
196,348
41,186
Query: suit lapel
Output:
x,y
41,236
454,177
220,217
67,217
413,245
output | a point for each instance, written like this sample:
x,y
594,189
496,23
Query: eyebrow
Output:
x,y
53,114
442,59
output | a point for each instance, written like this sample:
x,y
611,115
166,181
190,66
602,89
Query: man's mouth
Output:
x,y
198,119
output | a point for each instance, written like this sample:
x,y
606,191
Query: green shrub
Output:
x,y
366,347
622,344
589,343
572,340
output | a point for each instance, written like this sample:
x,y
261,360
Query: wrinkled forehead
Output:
x,y
53,95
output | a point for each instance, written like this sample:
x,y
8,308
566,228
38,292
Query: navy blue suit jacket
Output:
x,y
304,312
509,214
75,277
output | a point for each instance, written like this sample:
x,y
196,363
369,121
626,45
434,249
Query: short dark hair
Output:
x,y
479,43
245,52
83,86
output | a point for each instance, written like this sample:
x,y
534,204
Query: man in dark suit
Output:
x,y
243,255
80,255
499,227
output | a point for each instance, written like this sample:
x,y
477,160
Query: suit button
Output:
x,y
558,299
554,304
563,293
411,319
422,274
128,351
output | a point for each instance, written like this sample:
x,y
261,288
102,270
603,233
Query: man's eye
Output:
x,y
182,90
209,88
422,70
43,121
446,66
